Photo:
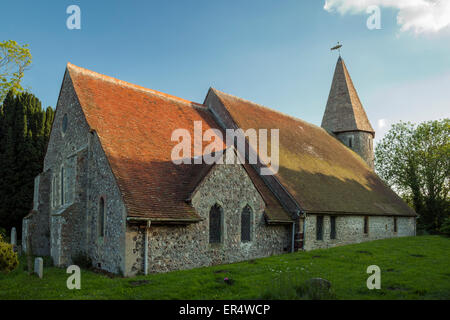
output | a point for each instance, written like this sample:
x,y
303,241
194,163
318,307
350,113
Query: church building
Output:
x,y
111,193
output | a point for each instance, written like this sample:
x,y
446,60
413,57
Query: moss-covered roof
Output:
x,y
320,172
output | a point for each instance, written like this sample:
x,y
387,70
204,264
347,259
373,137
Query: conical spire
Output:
x,y
344,111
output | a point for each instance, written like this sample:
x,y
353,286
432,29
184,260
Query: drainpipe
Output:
x,y
147,227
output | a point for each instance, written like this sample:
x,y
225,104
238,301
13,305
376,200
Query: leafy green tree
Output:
x,y
415,161
24,134
14,59
445,228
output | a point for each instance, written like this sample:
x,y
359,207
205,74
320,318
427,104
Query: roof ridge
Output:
x,y
270,109
110,79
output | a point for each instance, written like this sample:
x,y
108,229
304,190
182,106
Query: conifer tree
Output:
x,y
24,133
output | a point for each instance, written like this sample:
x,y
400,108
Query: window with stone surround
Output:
x,y
246,224
350,142
395,224
332,227
54,191
319,228
62,186
101,217
65,122
366,224
215,224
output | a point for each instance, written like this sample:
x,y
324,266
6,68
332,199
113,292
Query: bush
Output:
x,y
445,228
2,233
8,258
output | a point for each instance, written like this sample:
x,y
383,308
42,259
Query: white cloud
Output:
x,y
420,16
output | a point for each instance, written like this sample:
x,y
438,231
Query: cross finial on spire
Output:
x,y
337,47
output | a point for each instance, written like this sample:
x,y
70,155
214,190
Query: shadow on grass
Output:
x,y
290,287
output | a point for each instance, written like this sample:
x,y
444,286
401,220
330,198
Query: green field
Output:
x,y
411,268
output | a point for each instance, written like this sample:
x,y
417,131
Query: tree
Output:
x,y
415,161
24,134
14,59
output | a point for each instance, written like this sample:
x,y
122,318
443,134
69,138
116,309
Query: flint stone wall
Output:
x,y
37,223
108,252
350,229
362,144
183,247
87,176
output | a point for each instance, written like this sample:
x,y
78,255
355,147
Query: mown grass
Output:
x,y
411,268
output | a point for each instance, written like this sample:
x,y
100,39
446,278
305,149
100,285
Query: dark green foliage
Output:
x,y
415,161
24,133
445,228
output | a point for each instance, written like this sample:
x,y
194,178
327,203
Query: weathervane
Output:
x,y
337,47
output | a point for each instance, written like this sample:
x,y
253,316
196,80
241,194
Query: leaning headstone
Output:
x,y
39,267
13,237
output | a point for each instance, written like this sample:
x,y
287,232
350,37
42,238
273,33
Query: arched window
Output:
x,y
64,123
62,185
101,217
246,224
54,190
332,227
319,228
366,224
215,224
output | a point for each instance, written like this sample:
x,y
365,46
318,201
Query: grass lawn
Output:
x,y
411,268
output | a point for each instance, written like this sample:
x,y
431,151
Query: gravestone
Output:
x,y
13,236
39,267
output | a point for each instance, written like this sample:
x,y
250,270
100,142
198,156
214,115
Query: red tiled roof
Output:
x,y
320,172
134,125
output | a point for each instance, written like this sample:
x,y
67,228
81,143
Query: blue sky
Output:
x,y
276,53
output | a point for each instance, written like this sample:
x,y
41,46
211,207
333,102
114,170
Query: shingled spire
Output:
x,y
345,116
344,111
